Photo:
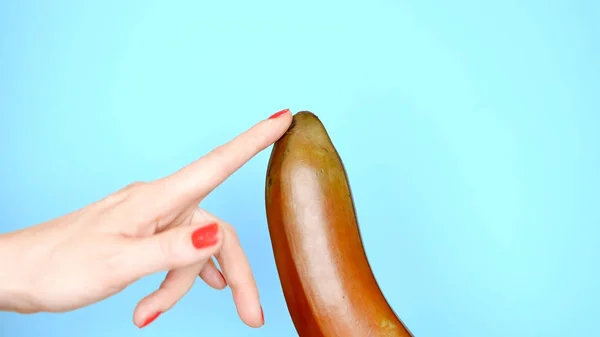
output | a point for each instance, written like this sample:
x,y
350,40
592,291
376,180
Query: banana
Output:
x,y
328,284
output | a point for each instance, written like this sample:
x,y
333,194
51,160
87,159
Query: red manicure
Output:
x,y
262,315
279,113
222,276
150,319
205,236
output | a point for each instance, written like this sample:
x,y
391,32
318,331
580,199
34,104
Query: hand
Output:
x,y
97,251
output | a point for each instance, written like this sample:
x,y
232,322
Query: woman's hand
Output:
x,y
97,251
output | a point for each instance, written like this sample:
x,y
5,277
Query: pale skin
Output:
x,y
147,227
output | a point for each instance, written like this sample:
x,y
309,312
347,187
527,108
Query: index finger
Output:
x,y
199,178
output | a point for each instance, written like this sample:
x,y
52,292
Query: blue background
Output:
x,y
470,131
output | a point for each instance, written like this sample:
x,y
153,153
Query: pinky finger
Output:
x,y
176,284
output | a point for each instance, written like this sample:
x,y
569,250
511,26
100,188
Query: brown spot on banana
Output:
x,y
327,282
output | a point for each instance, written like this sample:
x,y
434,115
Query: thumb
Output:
x,y
175,248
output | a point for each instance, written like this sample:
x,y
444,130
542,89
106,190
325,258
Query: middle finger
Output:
x,y
237,272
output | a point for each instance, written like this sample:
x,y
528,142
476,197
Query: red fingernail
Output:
x,y
150,319
262,315
205,236
279,113
222,276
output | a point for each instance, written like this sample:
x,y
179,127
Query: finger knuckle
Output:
x,y
229,233
223,157
258,142
168,250
122,194
113,199
139,188
136,185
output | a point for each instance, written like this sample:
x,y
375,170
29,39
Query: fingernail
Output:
x,y
222,276
205,236
279,113
150,319
262,315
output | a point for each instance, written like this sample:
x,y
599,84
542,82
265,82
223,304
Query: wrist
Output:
x,y
14,293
